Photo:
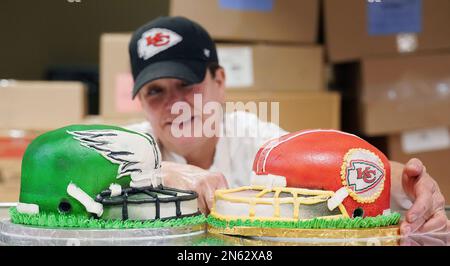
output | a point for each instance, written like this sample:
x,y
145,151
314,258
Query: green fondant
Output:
x,y
55,220
316,223
55,159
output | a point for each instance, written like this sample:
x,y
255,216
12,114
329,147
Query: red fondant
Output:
x,y
313,159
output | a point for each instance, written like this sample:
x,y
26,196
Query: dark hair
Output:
x,y
213,67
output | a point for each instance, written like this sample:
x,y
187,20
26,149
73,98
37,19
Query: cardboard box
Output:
x,y
10,169
393,94
253,20
116,81
272,67
432,146
297,110
13,144
9,192
41,105
355,29
120,122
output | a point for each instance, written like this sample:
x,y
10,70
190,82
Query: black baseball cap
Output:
x,y
170,47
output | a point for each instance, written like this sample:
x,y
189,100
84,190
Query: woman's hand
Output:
x,y
189,177
427,214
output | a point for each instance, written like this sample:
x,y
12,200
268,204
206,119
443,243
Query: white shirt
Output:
x,y
243,135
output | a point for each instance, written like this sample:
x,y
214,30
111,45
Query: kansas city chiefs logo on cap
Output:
x,y
156,40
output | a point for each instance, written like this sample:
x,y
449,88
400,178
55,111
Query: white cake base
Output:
x,y
276,204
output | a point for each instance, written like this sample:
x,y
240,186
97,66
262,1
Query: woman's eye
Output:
x,y
153,92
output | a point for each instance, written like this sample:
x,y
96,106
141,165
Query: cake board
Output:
x,y
388,236
20,235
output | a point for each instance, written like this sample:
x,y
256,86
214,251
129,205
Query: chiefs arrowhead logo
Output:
x,y
155,41
363,174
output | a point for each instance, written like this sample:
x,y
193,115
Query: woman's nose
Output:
x,y
173,97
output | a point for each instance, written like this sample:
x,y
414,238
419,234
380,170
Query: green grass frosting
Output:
x,y
52,220
316,223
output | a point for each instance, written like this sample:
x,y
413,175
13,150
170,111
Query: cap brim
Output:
x,y
192,72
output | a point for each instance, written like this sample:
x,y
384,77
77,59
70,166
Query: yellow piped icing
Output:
x,y
252,211
296,206
276,201
343,210
262,193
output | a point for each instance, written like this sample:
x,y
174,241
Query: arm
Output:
x,y
426,207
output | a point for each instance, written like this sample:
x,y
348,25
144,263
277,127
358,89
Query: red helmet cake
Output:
x,y
331,160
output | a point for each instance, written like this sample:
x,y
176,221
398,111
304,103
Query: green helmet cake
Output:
x,y
101,171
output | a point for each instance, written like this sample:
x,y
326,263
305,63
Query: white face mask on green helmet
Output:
x,y
102,171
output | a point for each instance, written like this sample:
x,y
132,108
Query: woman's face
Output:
x,y
158,99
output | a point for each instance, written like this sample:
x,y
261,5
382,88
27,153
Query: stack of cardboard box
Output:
x,y
432,146
13,144
28,108
41,105
116,81
270,53
265,46
392,61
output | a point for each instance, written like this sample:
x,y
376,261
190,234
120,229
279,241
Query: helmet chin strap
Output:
x,y
153,179
116,190
91,205
27,208
337,198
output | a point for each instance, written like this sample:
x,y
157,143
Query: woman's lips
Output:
x,y
181,123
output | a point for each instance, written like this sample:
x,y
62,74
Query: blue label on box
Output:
x,y
387,17
247,5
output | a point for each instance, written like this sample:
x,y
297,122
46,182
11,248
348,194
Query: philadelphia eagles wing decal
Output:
x,y
136,154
